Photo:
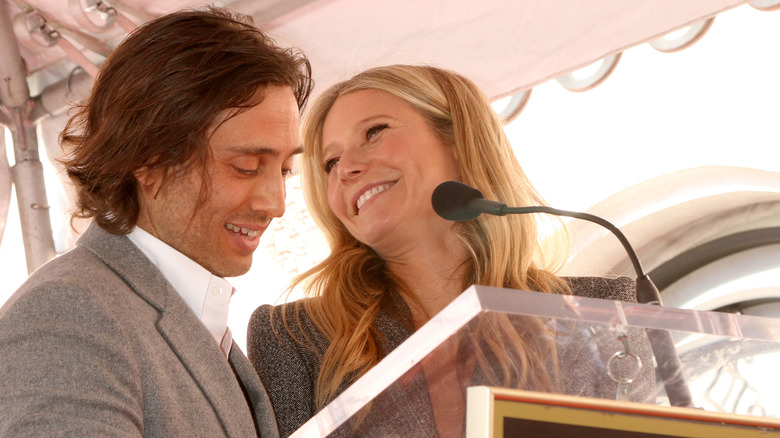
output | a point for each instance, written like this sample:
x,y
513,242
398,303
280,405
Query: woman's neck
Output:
x,y
433,276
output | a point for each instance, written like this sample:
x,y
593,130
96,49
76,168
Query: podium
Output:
x,y
497,361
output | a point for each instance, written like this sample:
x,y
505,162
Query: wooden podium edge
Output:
x,y
488,407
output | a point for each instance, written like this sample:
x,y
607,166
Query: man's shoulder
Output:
x,y
76,268
71,264
60,303
63,271
77,282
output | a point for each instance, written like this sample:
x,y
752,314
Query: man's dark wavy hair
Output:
x,y
157,98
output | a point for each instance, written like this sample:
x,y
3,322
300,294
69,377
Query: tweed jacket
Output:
x,y
289,369
98,343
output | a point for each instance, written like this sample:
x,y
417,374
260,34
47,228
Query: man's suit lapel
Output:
x,y
208,367
255,392
178,325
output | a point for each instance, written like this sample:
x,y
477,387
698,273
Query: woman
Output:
x,y
377,146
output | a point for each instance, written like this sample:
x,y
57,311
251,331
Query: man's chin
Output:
x,y
238,268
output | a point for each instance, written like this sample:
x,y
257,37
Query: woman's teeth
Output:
x,y
368,194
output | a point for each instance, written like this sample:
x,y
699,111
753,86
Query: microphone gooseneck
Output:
x,y
456,201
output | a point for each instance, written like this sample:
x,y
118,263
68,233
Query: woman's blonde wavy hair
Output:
x,y
504,251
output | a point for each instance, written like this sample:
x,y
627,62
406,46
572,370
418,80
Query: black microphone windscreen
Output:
x,y
450,200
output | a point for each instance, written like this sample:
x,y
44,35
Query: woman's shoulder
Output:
x,y
278,336
288,317
285,348
608,288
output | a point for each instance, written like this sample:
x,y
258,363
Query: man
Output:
x,y
179,156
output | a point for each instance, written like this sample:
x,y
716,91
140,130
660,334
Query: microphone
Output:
x,y
456,201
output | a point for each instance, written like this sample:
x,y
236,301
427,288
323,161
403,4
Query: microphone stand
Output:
x,y
669,365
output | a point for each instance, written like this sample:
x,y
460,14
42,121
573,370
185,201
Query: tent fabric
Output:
x,y
505,46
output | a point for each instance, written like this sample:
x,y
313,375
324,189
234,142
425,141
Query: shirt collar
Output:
x,y
207,295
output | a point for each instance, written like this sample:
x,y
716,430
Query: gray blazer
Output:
x,y
98,343
290,369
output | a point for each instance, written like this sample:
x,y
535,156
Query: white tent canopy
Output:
x,y
504,45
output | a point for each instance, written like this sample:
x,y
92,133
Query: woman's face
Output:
x,y
383,162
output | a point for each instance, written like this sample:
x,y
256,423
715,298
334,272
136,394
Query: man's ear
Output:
x,y
149,179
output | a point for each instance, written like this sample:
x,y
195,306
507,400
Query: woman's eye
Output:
x,y
330,164
374,130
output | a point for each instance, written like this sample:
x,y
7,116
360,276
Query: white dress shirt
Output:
x,y
206,294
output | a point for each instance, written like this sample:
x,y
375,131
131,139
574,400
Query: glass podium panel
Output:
x,y
561,345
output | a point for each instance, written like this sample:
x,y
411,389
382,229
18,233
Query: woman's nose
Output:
x,y
351,164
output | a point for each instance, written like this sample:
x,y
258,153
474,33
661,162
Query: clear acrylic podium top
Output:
x,y
558,344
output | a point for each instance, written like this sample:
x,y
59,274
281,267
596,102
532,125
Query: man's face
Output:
x,y
251,155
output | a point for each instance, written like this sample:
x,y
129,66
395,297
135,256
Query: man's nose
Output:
x,y
269,196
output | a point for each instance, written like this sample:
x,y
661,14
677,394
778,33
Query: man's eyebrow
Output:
x,y
253,150
260,150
